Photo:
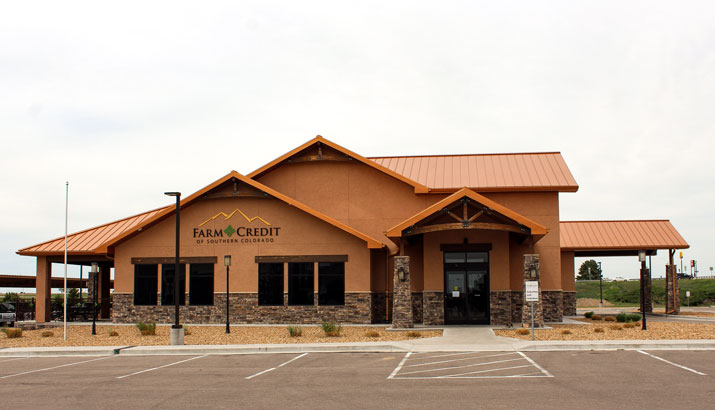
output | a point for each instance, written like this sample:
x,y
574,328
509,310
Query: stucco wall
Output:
x,y
299,234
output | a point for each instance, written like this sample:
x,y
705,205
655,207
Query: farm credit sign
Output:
x,y
258,230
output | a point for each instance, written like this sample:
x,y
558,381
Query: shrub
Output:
x,y
12,332
412,334
147,329
628,325
598,330
372,333
187,330
596,317
609,319
621,317
616,327
47,333
523,332
112,333
331,329
565,332
588,315
633,317
295,331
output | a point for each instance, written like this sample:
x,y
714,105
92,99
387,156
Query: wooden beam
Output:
x,y
301,258
182,260
464,211
456,218
459,226
475,216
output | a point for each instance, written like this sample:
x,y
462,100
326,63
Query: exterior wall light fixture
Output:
x,y
401,273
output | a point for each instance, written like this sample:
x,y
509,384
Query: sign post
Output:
x,y
531,295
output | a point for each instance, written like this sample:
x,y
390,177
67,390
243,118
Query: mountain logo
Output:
x,y
229,216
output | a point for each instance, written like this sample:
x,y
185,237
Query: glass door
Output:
x,y
466,292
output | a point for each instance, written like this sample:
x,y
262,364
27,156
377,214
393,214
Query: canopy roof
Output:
x,y
527,226
604,238
542,171
87,241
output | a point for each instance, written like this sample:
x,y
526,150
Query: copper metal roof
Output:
x,y
546,171
620,235
85,242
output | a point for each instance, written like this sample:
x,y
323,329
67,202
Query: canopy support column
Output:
x,y
43,307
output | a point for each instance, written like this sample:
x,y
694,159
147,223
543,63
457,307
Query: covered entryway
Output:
x,y
466,283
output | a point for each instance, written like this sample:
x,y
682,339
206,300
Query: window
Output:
x,y
145,284
331,283
270,284
201,284
300,283
167,284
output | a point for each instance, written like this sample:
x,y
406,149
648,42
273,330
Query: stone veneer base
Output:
x,y
244,309
569,303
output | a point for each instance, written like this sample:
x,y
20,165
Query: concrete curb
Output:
x,y
61,351
253,349
354,347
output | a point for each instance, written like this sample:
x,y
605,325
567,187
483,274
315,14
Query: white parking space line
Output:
x,y
536,365
459,360
160,367
274,368
54,367
462,367
671,363
460,364
483,371
10,360
399,366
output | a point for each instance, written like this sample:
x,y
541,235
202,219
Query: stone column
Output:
x,y
672,301
532,260
103,295
402,297
648,293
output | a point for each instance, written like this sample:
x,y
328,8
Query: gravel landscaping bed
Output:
x,y
618,331
203,335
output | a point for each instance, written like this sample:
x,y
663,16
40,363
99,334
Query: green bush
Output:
x,y
633,317
295,331
588,315
621,317
147,329
331,329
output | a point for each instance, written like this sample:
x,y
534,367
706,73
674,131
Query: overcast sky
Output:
x,y
131,99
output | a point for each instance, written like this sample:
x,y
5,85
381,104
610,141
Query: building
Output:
x,y
322,233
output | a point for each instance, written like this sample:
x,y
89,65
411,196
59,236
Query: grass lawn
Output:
x,y
702,291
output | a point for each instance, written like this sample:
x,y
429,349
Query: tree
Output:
x,y
583,273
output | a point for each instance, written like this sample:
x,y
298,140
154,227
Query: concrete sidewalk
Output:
x,y
455,338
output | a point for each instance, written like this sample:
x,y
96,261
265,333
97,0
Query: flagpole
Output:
x,y
67,193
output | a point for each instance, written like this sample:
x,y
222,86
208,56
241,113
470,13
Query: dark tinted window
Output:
x,y
270,284
145,284
167,284
331,283
300,283
201,284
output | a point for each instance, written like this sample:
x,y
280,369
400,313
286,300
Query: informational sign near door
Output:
x,y
531,295
531,290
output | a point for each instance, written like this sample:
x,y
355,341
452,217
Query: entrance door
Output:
x,y
466,287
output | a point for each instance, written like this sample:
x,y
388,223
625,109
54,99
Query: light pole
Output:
x,y
641,258
94,271
177,333
600,276
227,262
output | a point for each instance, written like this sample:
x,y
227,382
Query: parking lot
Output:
x,y
587,380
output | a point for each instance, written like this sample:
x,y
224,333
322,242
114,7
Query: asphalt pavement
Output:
x,y
635,379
